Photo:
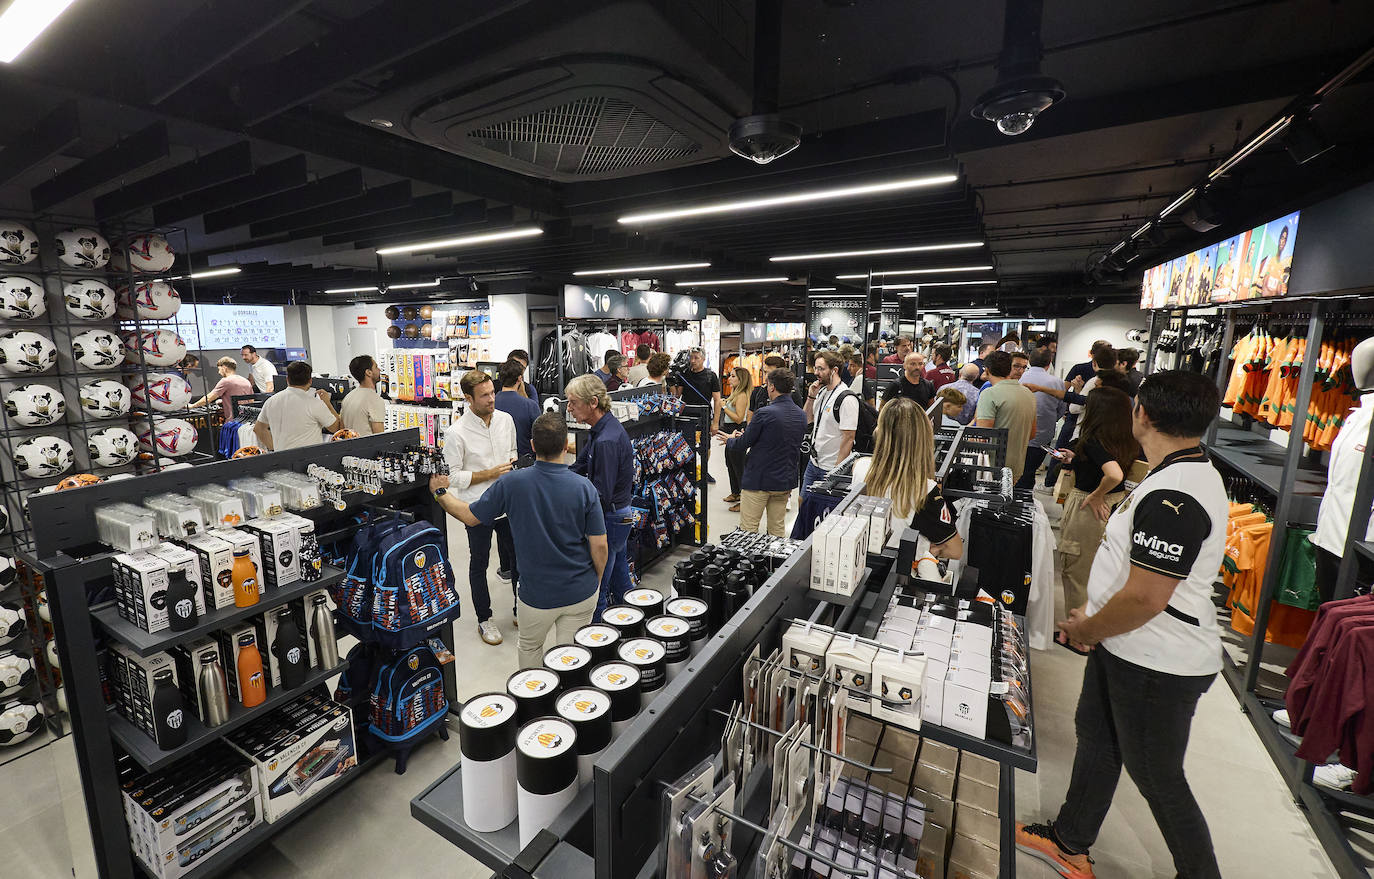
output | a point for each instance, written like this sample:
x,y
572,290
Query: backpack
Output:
x,y
413,592
354,688
408,702
353,594
868,420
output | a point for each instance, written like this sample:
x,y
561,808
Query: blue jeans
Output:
x,y
615,580
479,556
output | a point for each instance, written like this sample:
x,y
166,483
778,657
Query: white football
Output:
x,y
8,572
26,353
153,347
95,349
18,244
51,650
112,446
19,720
104,398
35,405
22,298
11,623
150,300
89,299
173,436
82,248
164,391
145,253
42,456
16,673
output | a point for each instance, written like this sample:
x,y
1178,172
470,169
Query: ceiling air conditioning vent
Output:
x,y
588,137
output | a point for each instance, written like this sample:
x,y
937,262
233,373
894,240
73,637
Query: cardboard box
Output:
x,y
207,839
183,802
933,780
972,767
973,795
850,662
976,824
971,859
899,677
930,856
941,756
136,687
179,558
280,542
215,561
966,702
933,691
240,540
320,751
188,658
141,589
804,647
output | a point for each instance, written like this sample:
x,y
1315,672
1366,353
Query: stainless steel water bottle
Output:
x,y
322,628
214,692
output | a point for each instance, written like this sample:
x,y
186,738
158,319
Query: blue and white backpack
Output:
x,y
408,702
413,592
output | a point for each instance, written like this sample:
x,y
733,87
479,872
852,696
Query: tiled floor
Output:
x,y
367,830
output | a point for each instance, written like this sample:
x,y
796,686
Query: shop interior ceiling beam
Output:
x,y
327,190
435,206
126,156
464,218
221,166
373,201
56,132
289,173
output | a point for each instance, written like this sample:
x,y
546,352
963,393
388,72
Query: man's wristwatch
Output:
x,y
440,492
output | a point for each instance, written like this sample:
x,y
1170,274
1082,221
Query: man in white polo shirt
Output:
x,y
295,416
260,369
1151,627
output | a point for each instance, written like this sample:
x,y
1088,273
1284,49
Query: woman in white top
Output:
x,y
658,370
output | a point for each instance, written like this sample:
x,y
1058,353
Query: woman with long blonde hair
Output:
x,y
735,415
904,470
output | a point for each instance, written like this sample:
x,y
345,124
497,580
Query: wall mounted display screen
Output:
x,y
1252,265
233,326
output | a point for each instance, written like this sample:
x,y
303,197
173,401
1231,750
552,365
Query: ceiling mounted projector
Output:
x,y
1013,104
764,137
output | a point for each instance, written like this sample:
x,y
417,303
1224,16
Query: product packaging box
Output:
x,y
188,658
973,768
140,580
977,824
179,558
280,540
207,839
972,859
134,683
172,804
966,700
849,661
239,540
804,647
266,626
930,855
899,678
215,560
320,752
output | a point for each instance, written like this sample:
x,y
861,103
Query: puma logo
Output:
x,y
1177,508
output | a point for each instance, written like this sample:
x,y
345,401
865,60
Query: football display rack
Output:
x,y
69,563
612,829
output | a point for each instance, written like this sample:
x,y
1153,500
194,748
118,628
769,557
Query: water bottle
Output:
x,y
214,692
169,712
181,602
322,627
289,648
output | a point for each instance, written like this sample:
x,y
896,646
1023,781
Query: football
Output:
x,y
148,254
16,673
8,573
94,349
172,437
11,623
82,248
153,347
149,300
40,456
52,655
79,480
21,298
104,398
89,299
26,353
18,244
112,446
164,391
35,405
19,720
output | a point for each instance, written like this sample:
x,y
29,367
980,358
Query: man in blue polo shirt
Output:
x,y
560,536
608,460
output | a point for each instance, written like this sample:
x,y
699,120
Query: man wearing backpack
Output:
x,y
912,383
561,537
833,411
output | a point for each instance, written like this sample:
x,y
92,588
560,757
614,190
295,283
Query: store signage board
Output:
x,y
219,327
1252,265
610,303
753,332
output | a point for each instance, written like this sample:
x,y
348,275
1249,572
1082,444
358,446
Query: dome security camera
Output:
x,y
1014,104
764,138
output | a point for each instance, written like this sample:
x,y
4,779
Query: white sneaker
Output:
x,y
490,633
1281,718
1334,776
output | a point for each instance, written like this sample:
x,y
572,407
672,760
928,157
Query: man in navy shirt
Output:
x,y
521,356
773,439
608,460
560,536
520,408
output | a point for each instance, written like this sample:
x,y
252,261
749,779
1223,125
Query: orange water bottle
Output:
x,y
252,683
245,576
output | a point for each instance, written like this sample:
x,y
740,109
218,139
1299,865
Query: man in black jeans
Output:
x,y
1152,631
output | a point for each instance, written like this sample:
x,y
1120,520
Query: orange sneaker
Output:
x,y
1038,841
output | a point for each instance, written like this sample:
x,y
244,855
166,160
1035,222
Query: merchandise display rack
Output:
x,y
611,830
67,561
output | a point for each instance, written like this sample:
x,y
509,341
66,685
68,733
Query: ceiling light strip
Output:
x,y
1258,141
632,269
754,204
878,274
725,281
914,285
463,241
840,254
1177,203
23,21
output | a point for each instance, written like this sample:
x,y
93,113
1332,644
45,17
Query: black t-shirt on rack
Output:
x,y
935,520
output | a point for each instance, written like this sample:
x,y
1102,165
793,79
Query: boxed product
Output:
x,y
177,515
930,855
133,676
804,646
126,527
971,859
978,824
241,540
966,698
973,768
166,808
229,654
140,582
851,548
267,625
218,505
188,658
215,559
280,541
879,524
205,840
319,752
849,662
179,558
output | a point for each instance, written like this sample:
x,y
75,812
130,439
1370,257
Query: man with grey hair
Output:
x,y
965,385
608,460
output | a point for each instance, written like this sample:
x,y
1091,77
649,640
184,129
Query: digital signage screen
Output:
x,y
1252,265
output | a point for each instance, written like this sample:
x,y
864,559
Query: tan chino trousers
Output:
x,y
752,505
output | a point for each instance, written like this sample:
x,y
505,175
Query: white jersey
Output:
x,y
1347,455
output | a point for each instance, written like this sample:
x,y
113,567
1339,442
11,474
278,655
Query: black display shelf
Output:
x,y
1262,462
146,643
440,808
141,746
839,600
1365,548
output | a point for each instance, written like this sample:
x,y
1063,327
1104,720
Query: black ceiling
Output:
x,y
249,123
